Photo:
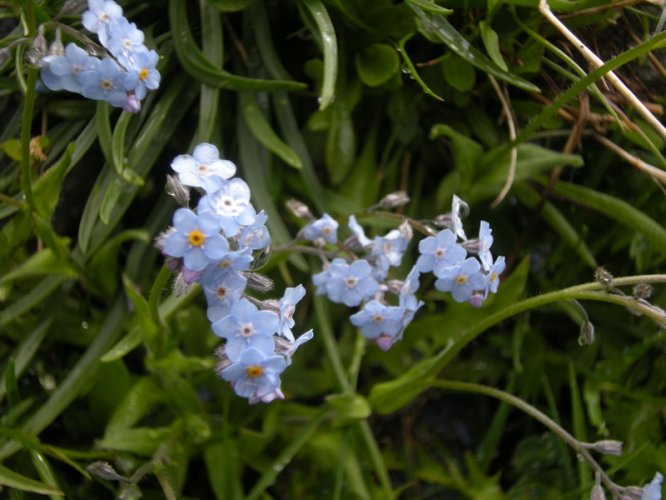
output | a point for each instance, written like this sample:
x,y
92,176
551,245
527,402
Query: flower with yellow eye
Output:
x,y
196,239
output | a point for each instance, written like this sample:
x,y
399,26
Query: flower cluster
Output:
x,y
122,77
465,268
216,245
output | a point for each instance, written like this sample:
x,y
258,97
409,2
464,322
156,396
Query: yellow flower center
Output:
x,y
196,238
254,371
493,277
461,279
106,84
143,74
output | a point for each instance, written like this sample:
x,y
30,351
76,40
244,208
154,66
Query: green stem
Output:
x,y
26,136
376,458
326,333
534,413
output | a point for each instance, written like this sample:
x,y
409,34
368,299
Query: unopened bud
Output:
x,y
597,492
604,277
176,189
299,209
586,334
633,493
643,291
606,446
259,282
393,200
406,230
37,48
132,104
57,48
72,7
105,471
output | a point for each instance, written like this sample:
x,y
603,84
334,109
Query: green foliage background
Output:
x,y
336,103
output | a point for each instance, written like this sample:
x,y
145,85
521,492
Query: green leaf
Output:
x,y
329,47
104,135
12,148
143,441
43,263
198,66
349,407
140,400
458,73
47,188
110,201
223,465
230,5
118,141
436,27
614,208
491,41
467,153
125,345
431,7
141,310
263,132
376,64
340,142
11,479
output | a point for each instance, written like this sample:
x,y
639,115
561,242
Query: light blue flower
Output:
x,y
387,251
196,239
98,17
256,235
376,319
142,75
256,375
345,283
652,490
106,82
124,40
461,280
358,232
495,271
439,252
458,206
66,69
203,168
231,205
223,288
246,327
325,228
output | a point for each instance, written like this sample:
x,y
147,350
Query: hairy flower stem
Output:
x,y
578,446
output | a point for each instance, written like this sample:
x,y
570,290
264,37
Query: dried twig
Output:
x,y
511,123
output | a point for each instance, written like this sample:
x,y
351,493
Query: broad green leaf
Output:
x,y
104,134
329,44
458,73
263,132
199,67
491,41
124,346
436,27
467,153
212,44
110,201
376,64
17,481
